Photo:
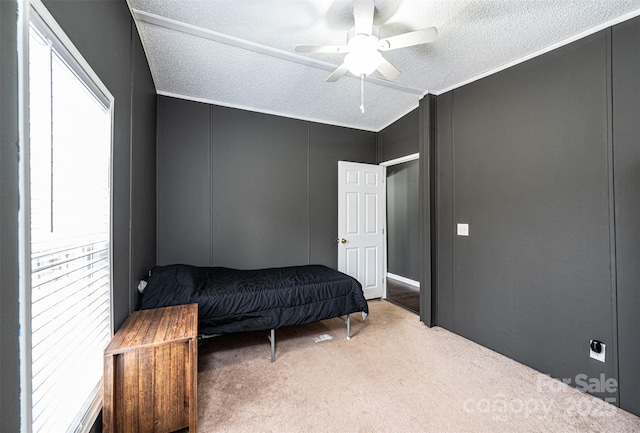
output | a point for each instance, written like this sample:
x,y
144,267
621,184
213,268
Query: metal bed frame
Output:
x,y
272,336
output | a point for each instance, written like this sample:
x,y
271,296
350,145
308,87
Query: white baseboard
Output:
x,y
403,279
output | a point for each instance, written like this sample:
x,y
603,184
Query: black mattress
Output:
x,y
233,300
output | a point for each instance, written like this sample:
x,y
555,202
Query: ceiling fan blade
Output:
x,y
408,39
389,71
322,49
363,16
335,76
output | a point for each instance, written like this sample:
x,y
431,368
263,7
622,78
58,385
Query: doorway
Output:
x,y
403,228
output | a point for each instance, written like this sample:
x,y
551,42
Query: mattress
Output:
x,y
233,300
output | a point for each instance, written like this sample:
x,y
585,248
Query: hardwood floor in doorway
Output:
x,y
403,295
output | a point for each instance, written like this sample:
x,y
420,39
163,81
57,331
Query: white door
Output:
x,y
361,224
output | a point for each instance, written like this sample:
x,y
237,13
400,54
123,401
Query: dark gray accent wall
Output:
x,y
183,182
626,140
525,160
104,33
260,189
9,307
400,138
328,145
444,225
249,190
403,220
143,168
427,149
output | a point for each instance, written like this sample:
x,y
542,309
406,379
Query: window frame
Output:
x,y
34,11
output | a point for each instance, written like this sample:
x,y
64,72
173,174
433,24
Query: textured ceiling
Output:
x,y
240,53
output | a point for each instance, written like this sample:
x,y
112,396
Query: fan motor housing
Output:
x,y
375,31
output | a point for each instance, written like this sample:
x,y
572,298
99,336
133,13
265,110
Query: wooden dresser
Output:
x,y
151,372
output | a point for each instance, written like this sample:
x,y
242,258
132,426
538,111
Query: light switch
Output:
x,y
463,229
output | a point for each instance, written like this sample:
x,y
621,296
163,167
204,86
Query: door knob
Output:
x,y
341,240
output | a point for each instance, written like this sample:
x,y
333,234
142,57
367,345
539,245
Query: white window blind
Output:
x,y
69,230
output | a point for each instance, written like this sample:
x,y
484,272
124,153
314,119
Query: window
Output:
x,y
66,233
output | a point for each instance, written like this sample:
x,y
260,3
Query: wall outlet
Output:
x,y
463,229
597,350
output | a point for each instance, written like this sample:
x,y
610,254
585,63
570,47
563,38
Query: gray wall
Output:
x,y
428,220
260,190
249,190
626,141
143,169
104,33
328,145
9,352
525,157
399,139
403,220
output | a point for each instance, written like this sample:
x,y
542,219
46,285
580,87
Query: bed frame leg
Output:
x,y
272,339
348,327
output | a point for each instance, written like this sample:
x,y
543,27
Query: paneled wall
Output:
x,y
249,190
328,145
259,190
9,306
399,139
428,219
626,144
526,158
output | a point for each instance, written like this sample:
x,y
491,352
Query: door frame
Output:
x,y
400,160
385,164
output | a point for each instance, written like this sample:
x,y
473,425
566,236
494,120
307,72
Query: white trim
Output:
x,y
257,110
403,279
400,160
24,238
258,48
545,50
385,234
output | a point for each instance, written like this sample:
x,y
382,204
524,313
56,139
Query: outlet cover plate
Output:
x,y
597,356
463,229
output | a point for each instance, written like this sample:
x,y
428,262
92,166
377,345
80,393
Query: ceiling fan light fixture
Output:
x,y
363,57
364,45
362,63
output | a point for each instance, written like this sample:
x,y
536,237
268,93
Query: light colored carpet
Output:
x,y
395,375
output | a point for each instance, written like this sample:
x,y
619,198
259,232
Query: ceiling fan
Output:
x,y
363,49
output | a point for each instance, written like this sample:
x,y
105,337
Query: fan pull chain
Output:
x,y
362,93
